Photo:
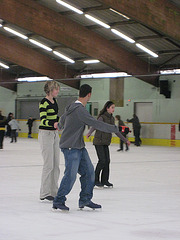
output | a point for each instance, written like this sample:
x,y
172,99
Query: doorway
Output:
x,y
144,111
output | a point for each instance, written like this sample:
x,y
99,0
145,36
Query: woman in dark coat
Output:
x,y
101,142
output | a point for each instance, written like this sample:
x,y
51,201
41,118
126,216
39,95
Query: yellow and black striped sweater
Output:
x,y
48,114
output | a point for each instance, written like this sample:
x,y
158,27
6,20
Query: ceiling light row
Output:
x,y
108,27
4,65
122,15
34,79
37,43
106,75
1,63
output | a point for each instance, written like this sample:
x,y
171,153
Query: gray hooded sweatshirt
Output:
x,y
73,123
13,124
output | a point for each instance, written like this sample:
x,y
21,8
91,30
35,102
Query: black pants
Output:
x,y
8,132
13,135
121,142
29,130
137,137
103,164
1,138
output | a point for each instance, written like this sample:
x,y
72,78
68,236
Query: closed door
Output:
x,y
144,111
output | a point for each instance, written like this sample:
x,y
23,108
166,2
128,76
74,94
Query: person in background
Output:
x,y
14,127
136,129
124,130
9,118
101,141
30,124
49,141
3,122
77,159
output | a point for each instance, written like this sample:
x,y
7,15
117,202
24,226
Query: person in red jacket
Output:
x,y
124,130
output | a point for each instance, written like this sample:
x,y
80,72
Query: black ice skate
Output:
x,y
47,199
98,184
108,184
91,205
60,206
119,150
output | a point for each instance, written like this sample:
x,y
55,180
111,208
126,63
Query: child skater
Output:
x,y
124,130
101,142
14,127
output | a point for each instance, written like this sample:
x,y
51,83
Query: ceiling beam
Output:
x,y
97,8
24,56
50,24
160,15
7,80
169,60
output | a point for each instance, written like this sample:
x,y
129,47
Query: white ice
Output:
x,y
144,203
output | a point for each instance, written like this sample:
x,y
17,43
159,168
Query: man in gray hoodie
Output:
x,y
77,160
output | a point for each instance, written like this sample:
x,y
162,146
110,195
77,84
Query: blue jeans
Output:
x,y
76,161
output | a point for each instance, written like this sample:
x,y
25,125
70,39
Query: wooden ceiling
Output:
x,y
153,23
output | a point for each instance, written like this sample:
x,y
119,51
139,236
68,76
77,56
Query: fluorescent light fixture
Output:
x,y
91,61
15,33
173,71
63,56
4,65
0,25
97,21
146,50
119,13
69,6
122,36
40,45
34,79
106,75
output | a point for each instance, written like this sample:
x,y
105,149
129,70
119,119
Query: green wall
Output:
x,y
7,100
36,90
164,109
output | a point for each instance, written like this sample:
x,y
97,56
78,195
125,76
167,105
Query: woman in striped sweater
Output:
x,y
49,141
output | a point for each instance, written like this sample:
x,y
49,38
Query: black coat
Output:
x,y
102,138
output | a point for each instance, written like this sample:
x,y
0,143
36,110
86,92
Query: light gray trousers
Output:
x,y
49,142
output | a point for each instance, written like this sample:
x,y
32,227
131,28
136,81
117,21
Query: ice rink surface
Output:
x,y
144,203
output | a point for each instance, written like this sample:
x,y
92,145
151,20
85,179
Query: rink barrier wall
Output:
x,y
154,134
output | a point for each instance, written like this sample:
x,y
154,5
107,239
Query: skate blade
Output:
x,y
45,201
59,210
100,188
89,209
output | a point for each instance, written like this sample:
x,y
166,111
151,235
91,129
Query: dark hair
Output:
x,y
118,117
106,105
84,90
